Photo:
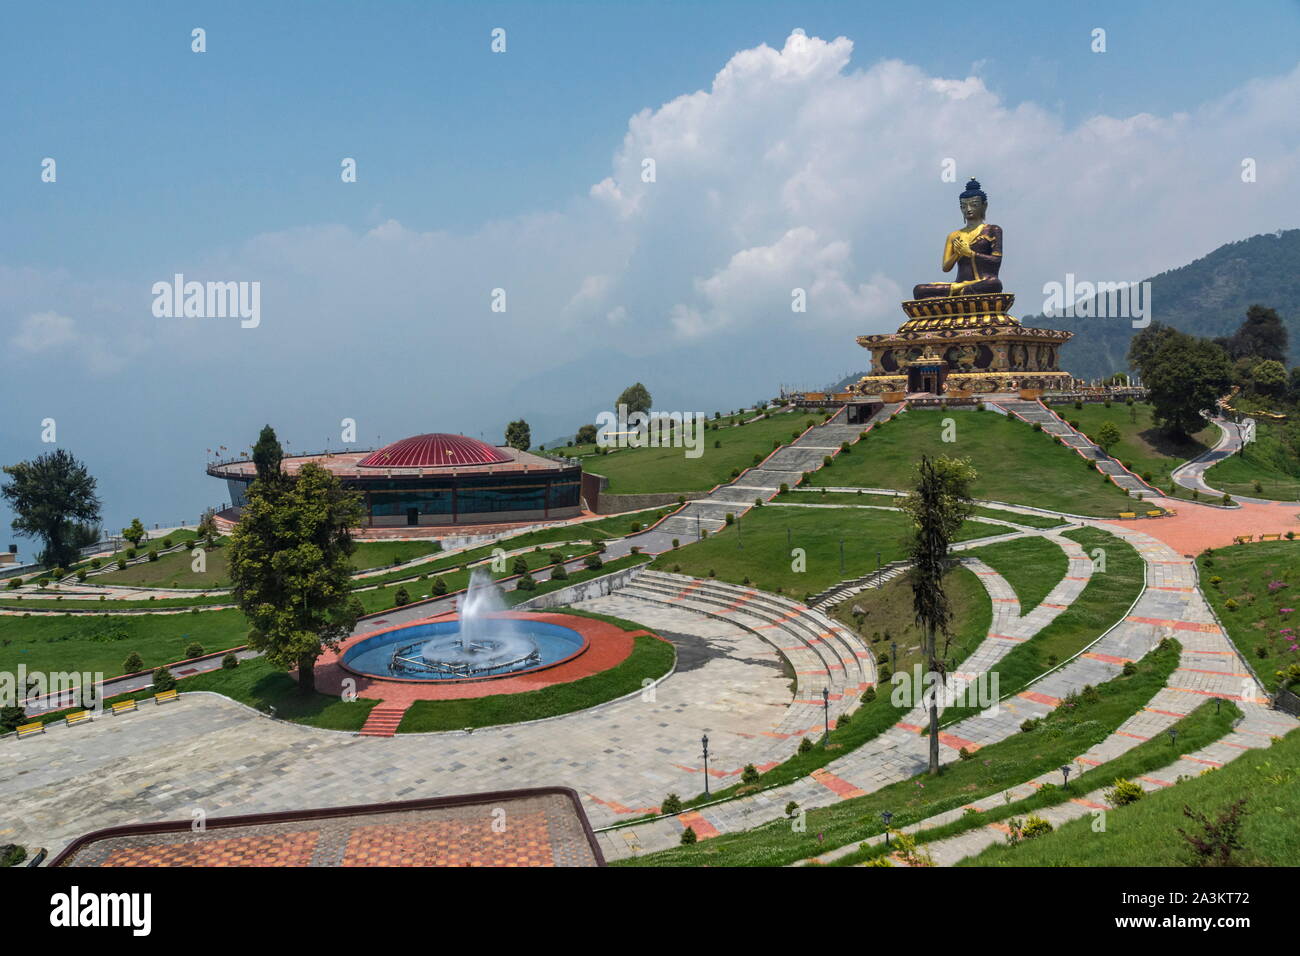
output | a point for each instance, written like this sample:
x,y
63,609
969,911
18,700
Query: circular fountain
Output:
x,y
485,641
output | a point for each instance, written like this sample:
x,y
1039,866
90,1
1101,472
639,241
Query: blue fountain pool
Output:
x,y
502,647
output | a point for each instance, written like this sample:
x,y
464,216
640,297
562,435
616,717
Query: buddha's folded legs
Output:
x,y
930,290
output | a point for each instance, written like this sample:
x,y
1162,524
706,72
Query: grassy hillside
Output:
x,y
1261,580
1015,463
729,447
1145,833
760,551
1270,460
1144,448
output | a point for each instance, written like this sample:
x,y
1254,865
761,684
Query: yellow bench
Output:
x,y
30,730
1170,512
1270,537
1241,539
79,717
1127,514
165,696
123,707
1154,514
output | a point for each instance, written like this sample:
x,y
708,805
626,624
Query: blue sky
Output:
x,y
477,169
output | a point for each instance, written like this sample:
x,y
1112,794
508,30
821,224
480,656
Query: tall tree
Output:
x,y
49,496
937,505
636,397
289,568
1143,346
134,533
1184,377
586,435
267,455
1262,335
519,435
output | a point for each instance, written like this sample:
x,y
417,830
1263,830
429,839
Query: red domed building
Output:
x,y
438,480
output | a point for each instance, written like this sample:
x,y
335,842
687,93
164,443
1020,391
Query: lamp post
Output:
x,y
893,656
886,816
1065,775
704,742
826,709
878,582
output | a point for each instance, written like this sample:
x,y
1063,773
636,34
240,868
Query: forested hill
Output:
x,y
1208,297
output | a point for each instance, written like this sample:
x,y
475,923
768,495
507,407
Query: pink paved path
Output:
x,y
1196,527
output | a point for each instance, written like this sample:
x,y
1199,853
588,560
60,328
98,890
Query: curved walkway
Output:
x,y
900,752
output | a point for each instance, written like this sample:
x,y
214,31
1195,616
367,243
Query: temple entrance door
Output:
x,y
412,516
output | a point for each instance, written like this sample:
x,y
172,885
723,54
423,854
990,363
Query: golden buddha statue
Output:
x,y
975,249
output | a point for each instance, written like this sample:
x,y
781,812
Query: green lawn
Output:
x,y
1143,448
650,659
1267,460
1032,566
259,685
760,551
175,570
863,498
1015,463
1105,600
1204,725
101,643
1063,735
1261,579
1145,833
648,470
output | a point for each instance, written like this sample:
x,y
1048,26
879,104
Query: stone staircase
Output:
x,y
785,466
1035,412
823,653
846,589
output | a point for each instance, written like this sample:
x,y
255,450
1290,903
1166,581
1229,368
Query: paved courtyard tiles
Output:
x,y
208,753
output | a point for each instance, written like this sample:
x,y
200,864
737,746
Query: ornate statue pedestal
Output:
x,y
963,345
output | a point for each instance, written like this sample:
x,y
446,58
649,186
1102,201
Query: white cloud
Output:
x,y
42,331
795,168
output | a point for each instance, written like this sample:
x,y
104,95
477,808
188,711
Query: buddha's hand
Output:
x,y
961,246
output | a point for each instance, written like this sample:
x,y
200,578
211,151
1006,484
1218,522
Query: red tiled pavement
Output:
x,y
1196,527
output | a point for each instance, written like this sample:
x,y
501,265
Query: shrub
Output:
x,y
672,804
133,664
94,563
1226,499
1218,838
677,543
1124,792
965,754
1038,426
1130,668
559,573
439,586
401,598
636,526
791,808
81,575
844,719
785,488
1034,826
153,555
749,774
827,461
15,583
167,542
868,695
593,562
689,837
11,854
730,518
229,662
520,566
163,679
806,745
192,650
527,583
1030,725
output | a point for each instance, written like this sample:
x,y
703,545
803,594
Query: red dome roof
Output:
x,y
434,451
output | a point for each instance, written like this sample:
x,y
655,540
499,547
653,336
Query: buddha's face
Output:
x,y
973,208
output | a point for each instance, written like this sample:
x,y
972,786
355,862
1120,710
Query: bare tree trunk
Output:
x,y
307,674
930,642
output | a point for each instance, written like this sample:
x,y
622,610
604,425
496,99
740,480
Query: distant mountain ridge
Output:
x,y
1208,297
